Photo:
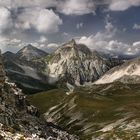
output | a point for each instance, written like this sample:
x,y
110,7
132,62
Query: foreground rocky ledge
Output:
x,y
21,121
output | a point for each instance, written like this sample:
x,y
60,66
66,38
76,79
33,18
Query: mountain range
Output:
x,y
80,94
34,70
19,120
25,69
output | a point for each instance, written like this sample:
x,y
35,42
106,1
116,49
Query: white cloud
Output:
x,y
72,7
100,39
5,19
79,25
43,39
136,26
66,34
15,40
42,20
111,46
103,41
121,5
29,3
47,21
7,44
48,47
109,26
76,7
68,7
136,44
118,47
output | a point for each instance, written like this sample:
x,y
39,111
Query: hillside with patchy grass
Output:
x,y
98,112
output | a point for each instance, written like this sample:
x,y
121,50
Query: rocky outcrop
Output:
x,y
76,64
129,72
21,120
18,118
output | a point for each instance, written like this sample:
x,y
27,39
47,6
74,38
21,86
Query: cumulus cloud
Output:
x,y
79,25
36,16
7,44
136,26
111,46
35,21
72,7
108,34
68,7
77,7
136,44
5,19
42,20
22,3
104,42
121,5
49,48
43,39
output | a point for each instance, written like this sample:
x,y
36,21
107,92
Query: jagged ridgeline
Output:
x,y
76,64
33,70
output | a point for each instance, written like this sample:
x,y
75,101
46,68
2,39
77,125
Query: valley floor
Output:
x,y
106,112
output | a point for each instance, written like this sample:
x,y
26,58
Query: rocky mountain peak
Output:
x,y
72,49
76,63
30,52
72,42
29,47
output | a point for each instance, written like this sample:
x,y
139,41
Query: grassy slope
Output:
x,y
90,109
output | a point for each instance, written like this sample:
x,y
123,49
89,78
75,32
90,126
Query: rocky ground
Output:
x,y
19,120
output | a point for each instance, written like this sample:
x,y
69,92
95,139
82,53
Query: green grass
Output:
x,y
92,108
46,100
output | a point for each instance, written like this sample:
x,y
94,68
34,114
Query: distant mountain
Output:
x,y
129,72
108,54
30,52
19,120
25,69
76,64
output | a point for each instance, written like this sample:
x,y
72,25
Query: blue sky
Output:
x,y
110,25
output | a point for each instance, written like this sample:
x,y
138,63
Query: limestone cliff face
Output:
x,y
129,72
77,64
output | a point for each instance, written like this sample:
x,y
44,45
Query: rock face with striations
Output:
x,y
76,64
129,72
30,52
25,69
